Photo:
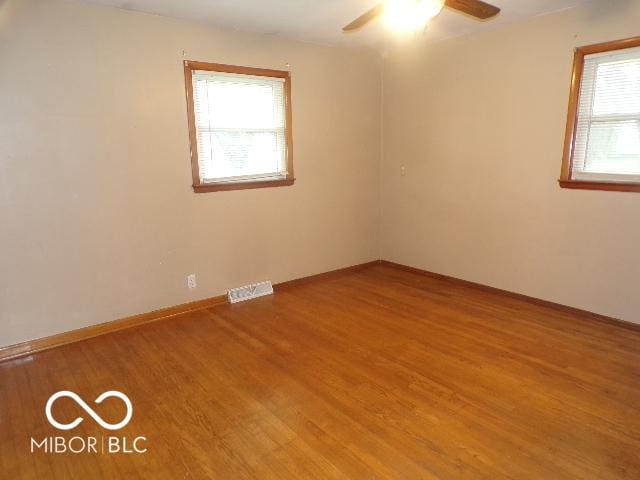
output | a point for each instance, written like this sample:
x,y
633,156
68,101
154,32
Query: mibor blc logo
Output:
x,y
77,444
89,410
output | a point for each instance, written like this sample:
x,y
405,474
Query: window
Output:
x,y
239,126
602,145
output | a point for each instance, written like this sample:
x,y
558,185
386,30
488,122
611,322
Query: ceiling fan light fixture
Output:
x,y
405,16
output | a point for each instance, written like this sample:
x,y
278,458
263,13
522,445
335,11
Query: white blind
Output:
x,y
240,126
607,145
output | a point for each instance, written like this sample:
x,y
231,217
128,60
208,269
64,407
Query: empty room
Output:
x,y
320,239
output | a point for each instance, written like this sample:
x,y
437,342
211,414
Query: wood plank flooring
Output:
x,y
374,374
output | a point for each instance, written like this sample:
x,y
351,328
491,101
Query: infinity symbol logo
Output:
x,y
88,409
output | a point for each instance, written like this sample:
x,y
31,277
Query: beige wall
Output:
x,y
97,217
478,123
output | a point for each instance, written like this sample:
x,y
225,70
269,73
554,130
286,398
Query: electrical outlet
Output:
x,y
191,281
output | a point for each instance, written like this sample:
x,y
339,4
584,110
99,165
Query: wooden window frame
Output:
x,y
572,120
201,187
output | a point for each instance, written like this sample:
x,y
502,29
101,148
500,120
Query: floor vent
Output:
x,y
250,291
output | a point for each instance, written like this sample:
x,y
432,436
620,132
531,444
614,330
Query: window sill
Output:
x,y
609,186
225,186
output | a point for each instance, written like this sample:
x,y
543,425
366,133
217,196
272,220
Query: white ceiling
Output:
x,y
321,21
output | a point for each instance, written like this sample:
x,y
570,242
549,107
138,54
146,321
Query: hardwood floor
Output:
x,y
374,374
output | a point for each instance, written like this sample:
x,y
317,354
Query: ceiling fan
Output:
x,y
411,13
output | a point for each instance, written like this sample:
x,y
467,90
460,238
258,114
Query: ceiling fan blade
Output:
x,y
365,18
475,8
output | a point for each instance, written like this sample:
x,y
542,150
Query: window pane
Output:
x,y
614,147
617,89
240,154
236,105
